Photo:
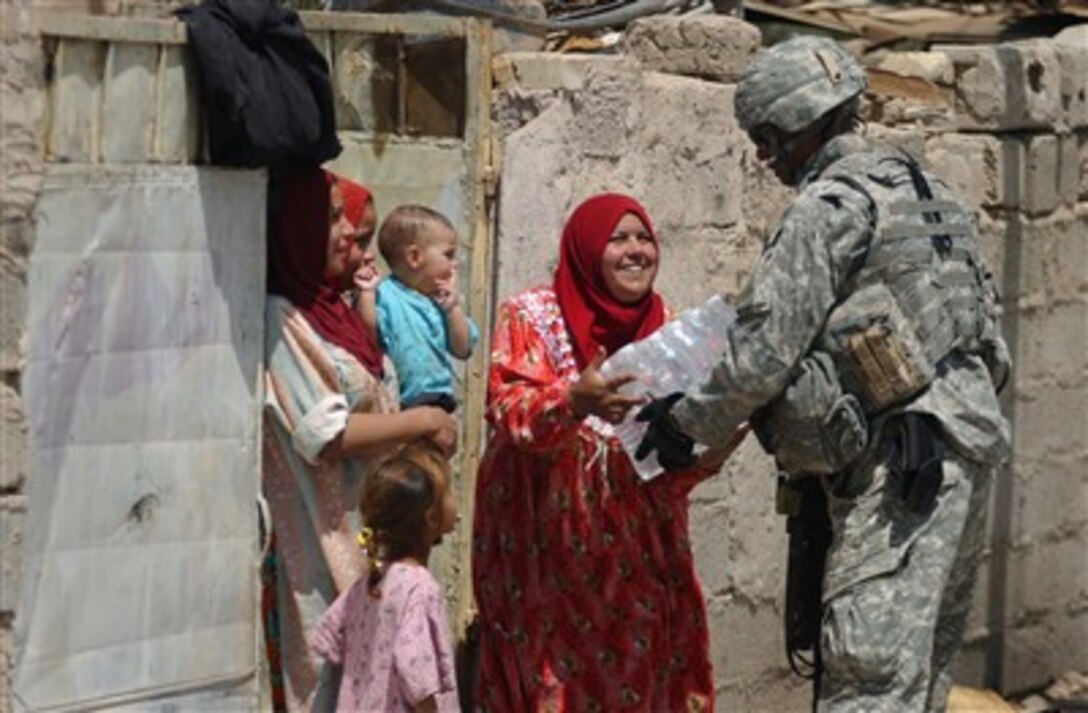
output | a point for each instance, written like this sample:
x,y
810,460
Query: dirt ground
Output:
x,y
1066,694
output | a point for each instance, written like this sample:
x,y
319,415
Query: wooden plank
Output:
x,y
374,24
479,159
108,29
76,101
178,118
128,111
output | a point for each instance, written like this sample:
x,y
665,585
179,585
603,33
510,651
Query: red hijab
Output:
x,y
593,316
355,199
298,239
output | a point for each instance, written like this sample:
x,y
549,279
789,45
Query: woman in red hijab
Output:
x,y
329,419
583,574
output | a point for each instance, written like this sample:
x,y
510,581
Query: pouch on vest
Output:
x,y
813,426
879,354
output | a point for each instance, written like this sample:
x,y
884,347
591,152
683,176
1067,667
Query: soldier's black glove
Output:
x,y
664,435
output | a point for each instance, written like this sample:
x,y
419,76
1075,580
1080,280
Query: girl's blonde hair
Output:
x,y
394,504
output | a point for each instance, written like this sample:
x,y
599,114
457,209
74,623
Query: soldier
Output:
x,y
867,356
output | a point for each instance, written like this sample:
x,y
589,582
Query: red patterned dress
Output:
x,y
583,574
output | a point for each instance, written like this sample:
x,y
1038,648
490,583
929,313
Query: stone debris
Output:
x,y
714,47
962,699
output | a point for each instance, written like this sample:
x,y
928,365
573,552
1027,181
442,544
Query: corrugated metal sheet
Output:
x,y
145,324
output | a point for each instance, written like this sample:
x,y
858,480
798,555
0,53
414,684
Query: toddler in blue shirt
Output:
x,y
415,313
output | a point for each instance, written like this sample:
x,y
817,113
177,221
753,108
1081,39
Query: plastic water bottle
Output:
x,y
677,357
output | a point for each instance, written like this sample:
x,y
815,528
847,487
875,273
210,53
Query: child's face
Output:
x,y
434,261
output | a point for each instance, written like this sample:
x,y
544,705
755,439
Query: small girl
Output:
x,y
389,631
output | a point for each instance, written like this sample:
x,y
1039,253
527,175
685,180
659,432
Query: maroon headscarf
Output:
x,y
298,239
593,316
355,199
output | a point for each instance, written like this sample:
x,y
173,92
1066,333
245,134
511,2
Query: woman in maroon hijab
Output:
x,y
329,419
583,574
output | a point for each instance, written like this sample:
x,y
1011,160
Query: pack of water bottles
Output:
x,y
677,357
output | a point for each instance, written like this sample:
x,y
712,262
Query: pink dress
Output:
x,y
395,650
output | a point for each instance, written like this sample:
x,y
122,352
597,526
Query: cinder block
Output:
x,y
13,439
1068,168
1041,173
715,47
909,139
1052,345
1053,256
12,522
992,234
1005,87
689,148
1051,500
606,113
1069,276
934,67
1050,420
1073,59
1040,640
973,165
551,71
1082,153
1034,652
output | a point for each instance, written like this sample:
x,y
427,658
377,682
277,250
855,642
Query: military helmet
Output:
x,y
794,83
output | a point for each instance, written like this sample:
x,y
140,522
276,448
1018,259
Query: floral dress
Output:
x,y
311,386
583,574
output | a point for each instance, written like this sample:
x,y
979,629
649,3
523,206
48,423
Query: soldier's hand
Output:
x,y
674,447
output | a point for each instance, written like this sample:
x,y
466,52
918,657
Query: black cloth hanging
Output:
x,y
266,90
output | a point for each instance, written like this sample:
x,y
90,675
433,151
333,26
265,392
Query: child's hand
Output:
x,y
447,296
366,278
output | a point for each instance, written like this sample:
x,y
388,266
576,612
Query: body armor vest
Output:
x,y
919,294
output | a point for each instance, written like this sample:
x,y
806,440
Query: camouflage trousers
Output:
x,y
897,588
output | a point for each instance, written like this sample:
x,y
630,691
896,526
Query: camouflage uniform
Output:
x,y
898,583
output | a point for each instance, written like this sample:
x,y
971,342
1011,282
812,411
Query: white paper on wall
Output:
x,y
146,291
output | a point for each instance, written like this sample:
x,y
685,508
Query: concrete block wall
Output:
x,y
21,104
1015,144
1005,126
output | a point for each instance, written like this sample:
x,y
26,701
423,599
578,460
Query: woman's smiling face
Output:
x,y
629,260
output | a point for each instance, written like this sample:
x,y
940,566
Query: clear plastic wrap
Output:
x,y
677,357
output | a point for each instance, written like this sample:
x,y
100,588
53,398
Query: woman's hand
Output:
x,y
441,429
596,394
